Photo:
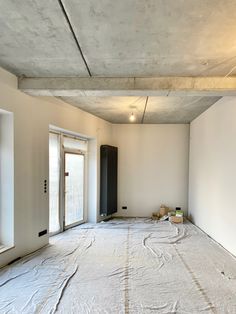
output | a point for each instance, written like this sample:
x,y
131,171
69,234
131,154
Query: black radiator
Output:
x,y
108,179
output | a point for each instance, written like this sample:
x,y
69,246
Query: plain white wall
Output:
x,y
212,192
152,167
32,117
6,179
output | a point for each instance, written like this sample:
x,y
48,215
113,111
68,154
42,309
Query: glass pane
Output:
x,y
74,188
72,143
54,177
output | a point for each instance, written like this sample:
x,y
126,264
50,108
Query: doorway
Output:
x,y
74,188
67,181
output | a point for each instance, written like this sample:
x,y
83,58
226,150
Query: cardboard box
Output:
x,y
176,220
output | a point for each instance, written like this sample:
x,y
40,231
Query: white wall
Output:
x,y
32,117
6,179
212,188
152,167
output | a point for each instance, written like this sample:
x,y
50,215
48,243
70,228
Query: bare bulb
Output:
x,y
132,117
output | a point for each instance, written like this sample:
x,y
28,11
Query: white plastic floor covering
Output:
x,y
123,266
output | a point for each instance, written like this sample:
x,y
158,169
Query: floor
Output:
x,y
123,266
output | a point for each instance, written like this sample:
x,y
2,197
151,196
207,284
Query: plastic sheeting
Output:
x,y
123,266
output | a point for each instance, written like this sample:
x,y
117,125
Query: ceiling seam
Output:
x,y
74,35
144,111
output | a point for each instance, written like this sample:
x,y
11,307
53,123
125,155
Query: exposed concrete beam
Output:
x,y
153,86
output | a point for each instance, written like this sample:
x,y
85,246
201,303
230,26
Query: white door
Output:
x,y
74,189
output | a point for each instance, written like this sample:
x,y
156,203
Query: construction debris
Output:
x,y
166,213
176,219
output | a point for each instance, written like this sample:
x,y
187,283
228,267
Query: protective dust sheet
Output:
x,y
123,266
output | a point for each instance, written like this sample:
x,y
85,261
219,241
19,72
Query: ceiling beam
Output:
x,y
152,86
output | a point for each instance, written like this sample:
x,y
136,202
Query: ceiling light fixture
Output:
x,y
132,117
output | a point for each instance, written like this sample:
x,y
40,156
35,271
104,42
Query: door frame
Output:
x,y
62,182
81,153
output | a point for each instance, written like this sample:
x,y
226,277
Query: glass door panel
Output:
x,y
74,188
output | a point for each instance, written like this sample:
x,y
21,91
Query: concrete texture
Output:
x,y
156,37
119,38
35,40
112,109
176,109
159,109
149,48
133,86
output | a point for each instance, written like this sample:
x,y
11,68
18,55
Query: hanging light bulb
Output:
x,y
132,117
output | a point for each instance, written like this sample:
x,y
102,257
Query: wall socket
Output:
x,y
124,207
41,233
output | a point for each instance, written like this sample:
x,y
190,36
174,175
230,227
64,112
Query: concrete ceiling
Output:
x,y
134,38
158,109
156,37
35,40
118,38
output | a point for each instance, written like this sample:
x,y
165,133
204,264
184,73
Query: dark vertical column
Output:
x,y
108,179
